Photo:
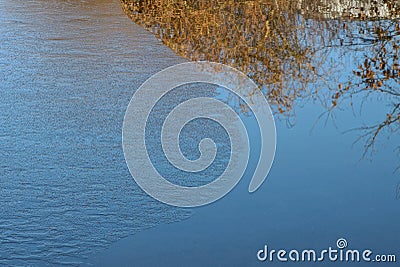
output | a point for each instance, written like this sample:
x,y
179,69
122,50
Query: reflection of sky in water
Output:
x,y
190,137
69,70
319,189
193,132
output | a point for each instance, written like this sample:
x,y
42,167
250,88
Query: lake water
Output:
x,y
68,70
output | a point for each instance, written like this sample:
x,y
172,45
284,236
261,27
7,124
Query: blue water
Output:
x,y
68,70
318,190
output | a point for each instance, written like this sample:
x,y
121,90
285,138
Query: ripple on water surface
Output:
x,y
69,69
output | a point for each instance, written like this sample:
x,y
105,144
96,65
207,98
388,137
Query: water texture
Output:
x,y
68,70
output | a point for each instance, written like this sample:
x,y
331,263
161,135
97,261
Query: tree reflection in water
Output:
x,y
293,50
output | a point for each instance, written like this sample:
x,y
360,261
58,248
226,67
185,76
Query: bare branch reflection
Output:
x,y
294,50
